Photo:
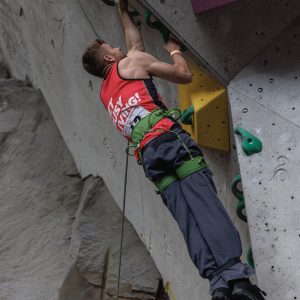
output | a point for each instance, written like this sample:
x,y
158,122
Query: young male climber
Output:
x,y
170,158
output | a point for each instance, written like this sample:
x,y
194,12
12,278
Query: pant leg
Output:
x,y
217,239
209,233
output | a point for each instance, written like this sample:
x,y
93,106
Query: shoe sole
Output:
x,y
243,295
225,298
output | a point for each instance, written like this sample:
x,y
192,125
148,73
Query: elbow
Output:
x,y
188,78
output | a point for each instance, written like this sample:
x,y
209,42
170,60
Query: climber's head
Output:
x,y
98,55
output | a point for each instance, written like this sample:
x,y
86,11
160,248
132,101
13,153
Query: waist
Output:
x,y
147,125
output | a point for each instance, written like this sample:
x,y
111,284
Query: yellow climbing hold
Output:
x,y
210,126
169,291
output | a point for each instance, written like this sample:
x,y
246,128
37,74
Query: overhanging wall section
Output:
x,y
44,41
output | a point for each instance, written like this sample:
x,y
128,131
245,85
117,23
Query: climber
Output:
x,y
170,158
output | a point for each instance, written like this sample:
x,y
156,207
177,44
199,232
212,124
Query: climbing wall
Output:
x,y
264,97
246,45
200,6
262,69
225,39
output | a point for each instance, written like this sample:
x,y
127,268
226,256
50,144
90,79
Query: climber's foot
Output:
x,y
221,294
245,290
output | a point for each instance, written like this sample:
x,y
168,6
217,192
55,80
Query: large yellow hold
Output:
x,y
210,126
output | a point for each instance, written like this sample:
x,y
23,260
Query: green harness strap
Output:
x,y
194,164
185,169
145,125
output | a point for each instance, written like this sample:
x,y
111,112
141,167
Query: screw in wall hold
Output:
x,y
245,110
277,49
264,62
262,35
250,143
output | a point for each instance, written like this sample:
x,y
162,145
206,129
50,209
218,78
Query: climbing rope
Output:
x,y
123,226
126,172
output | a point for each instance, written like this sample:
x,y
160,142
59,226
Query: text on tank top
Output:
x,y
129,100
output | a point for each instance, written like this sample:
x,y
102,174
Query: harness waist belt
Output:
x,y
145,125
187,168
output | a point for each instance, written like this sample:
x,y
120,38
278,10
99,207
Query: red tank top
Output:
x,y
129,100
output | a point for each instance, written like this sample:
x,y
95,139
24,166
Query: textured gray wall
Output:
x,y
269,88
226,39
45,43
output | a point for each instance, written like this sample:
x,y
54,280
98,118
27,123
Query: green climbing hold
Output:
x,y
240,211
133,13
165,32
240,196
187,115
250,259
250,143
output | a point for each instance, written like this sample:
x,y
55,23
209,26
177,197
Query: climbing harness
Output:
x,y
126,172
187,168
144,126
123,226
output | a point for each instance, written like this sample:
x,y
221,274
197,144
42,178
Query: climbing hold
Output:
x,y
250,143
168,290
210,120
165,32
158,25
250,259
133,13
240,196
239,210
187,115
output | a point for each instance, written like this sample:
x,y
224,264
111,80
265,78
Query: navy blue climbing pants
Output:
x,y
210,235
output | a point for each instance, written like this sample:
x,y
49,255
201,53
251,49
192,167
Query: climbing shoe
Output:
x,y
221,294
245,290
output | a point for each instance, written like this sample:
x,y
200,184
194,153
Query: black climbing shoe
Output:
x,y
221,294
245,290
